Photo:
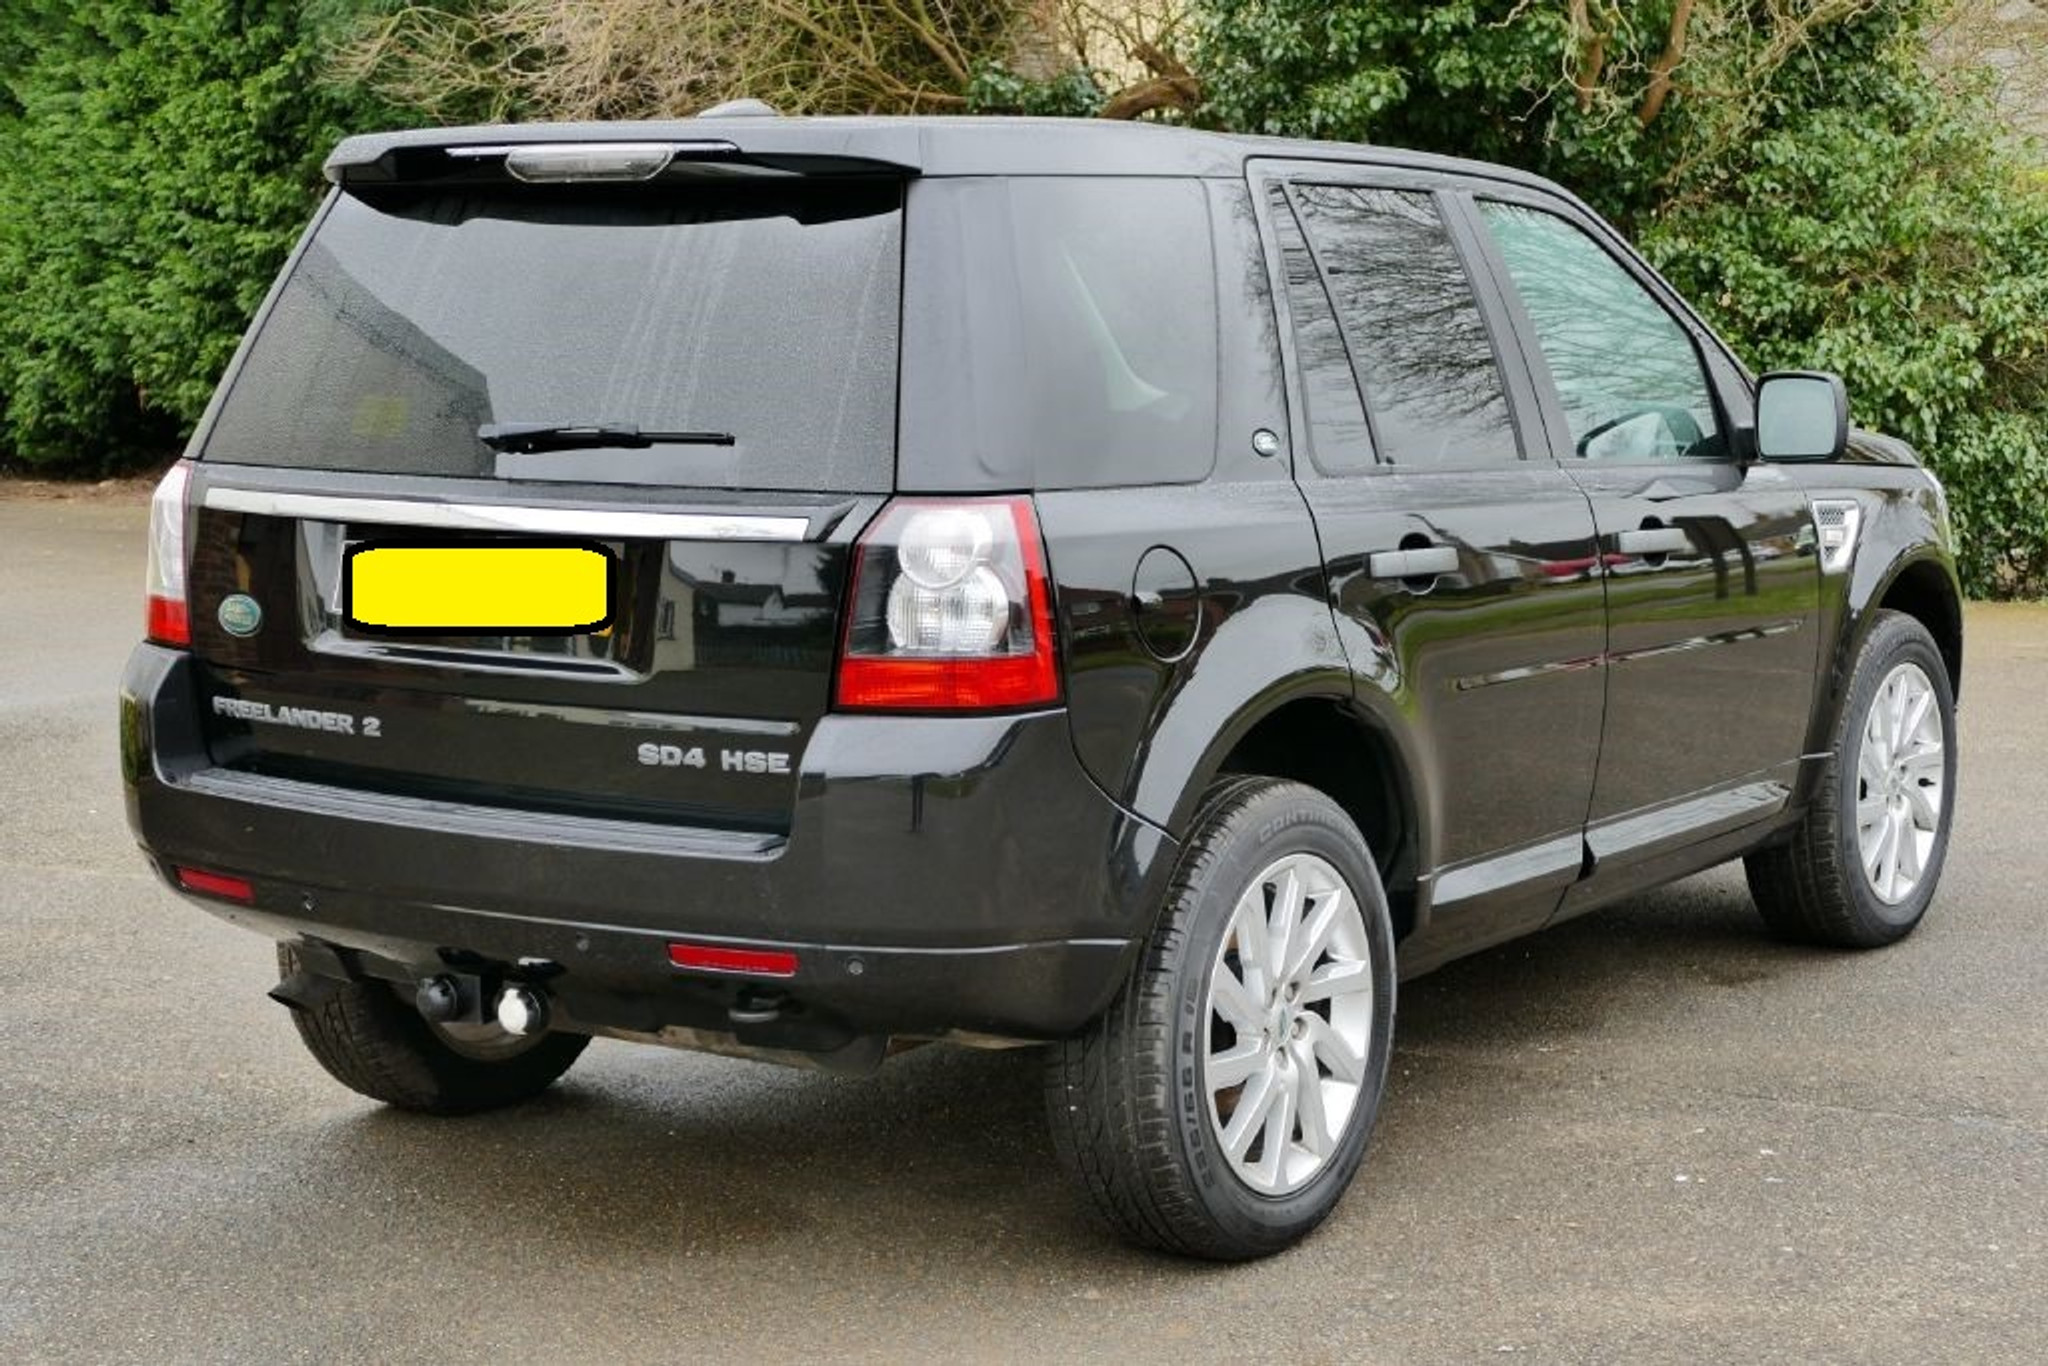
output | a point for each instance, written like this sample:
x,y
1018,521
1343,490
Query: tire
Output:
x,y
375,1043
1134,1116
1821,888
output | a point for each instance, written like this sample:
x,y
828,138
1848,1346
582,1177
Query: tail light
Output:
x,y
168,621
951,611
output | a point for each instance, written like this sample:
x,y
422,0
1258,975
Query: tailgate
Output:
x,y
692,706
659,360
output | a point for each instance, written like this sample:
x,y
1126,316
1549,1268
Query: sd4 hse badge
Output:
x,y
729,760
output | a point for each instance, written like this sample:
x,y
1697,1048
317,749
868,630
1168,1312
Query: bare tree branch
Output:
x,y
1666,64
575,59
1592,49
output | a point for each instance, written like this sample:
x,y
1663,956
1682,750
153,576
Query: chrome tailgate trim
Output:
x,y
596,523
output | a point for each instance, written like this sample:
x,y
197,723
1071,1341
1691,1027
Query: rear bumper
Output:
x,y
940,875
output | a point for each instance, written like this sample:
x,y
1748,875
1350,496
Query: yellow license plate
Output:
x,y
479,589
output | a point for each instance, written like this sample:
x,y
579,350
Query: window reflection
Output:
x,y
1417,339
1340,442
1627,374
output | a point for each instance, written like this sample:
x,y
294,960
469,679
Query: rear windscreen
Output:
x,y
415,317
1059,332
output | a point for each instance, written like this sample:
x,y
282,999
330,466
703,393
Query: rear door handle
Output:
x,y
1654,540
1426,563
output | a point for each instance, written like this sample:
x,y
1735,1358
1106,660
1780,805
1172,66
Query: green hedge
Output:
x,y
160,161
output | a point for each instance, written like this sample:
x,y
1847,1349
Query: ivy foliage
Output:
x,y
1895,244
997,88
1806,178
161,159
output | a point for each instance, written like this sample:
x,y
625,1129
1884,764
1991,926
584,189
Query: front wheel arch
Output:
x,y
1926,591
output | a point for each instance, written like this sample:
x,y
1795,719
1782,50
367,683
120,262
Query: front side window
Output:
x,y
1418,341
1625,372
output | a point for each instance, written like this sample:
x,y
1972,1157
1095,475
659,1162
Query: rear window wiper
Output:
x,y
524,438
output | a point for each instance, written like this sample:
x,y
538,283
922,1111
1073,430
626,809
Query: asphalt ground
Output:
x,y
1648,1135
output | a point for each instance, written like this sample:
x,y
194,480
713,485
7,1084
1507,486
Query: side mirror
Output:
x,y
1802,415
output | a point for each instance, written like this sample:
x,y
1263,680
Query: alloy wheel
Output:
x,y
1901,783
1289,1024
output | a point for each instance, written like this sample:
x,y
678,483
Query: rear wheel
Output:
x,y
374,1043
1222,1104
1862,866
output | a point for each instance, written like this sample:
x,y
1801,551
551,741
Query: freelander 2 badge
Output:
x,y
240,615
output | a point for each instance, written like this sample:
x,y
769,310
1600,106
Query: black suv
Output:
x,y
805,587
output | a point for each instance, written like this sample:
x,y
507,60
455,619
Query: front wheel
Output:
x,y
1862,866
1222,1104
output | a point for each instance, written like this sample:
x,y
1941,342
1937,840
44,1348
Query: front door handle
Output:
x,y
1425,563
1654,540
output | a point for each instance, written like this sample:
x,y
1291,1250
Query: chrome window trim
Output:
x,y
596,523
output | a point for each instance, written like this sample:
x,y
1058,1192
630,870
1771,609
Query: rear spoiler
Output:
x,y
730,147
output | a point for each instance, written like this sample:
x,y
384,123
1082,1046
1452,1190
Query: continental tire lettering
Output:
x,y
1271,829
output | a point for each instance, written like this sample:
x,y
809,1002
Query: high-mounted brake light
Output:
x,y
952,611
544,163
618,161
168,621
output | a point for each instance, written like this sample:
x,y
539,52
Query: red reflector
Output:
x,y
715,958
168,622
215,884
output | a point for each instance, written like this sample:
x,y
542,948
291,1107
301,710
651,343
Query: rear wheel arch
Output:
x,y
1330,743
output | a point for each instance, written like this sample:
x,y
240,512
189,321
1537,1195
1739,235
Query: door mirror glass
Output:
x,y
1802,415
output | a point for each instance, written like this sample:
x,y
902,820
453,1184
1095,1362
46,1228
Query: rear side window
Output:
x,y
1339,440
1059,332
415,316
1417,338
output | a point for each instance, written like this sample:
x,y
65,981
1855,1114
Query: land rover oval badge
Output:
x,y
240,615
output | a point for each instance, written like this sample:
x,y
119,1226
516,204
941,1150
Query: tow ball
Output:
x,y
519,1009
522,1010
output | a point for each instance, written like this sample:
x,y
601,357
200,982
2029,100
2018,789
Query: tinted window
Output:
x,y
415,316
1625,371
1058,333
1251,390
1417,339
1339,441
